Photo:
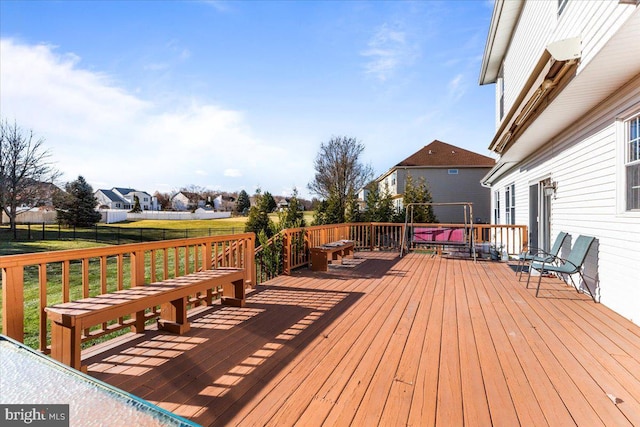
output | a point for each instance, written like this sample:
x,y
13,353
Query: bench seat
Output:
x,y
71,318
322,255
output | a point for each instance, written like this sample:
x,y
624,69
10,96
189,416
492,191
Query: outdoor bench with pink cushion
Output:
x,y
439,236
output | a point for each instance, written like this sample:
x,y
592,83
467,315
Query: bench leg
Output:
x,y
138,326
65,345
319,261
173,317
233,293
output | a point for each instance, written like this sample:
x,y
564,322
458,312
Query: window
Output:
x,y
496,208
561,5
510,204
453,171
632,162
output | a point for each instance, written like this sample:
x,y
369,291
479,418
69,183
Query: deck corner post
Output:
x,y
13,302
250,260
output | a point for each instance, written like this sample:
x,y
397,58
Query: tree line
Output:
x,y
339,175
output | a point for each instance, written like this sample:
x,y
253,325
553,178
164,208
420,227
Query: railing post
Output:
x,y
286,252
13,302
371,228
137,268
250,257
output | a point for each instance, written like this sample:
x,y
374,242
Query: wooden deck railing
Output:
x,y
40,279
32,281
290,248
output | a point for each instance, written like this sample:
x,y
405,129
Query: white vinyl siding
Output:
x,y
539,24
589,172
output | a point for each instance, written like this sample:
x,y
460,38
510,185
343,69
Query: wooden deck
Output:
x,y
391,341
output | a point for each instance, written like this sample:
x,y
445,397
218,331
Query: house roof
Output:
x,y
192,197
503,23
123,191
111,195
441,154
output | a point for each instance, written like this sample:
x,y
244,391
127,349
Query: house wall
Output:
x,y
180,202
539,25
450,188
586,161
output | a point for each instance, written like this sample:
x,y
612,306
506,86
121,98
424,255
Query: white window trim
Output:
x,y
621,161
510,204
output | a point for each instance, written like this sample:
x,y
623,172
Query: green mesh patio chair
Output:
x,y
539,255
571,265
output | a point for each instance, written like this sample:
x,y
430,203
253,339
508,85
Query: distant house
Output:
x,y
282,204
124,198
567,76
453,175
187,201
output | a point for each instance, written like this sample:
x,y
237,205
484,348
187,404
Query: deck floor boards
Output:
x,y
382,340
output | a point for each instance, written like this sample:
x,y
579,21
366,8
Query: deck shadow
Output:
x,y
369,266
226,357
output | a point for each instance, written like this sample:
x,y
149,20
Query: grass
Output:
x,y
65,239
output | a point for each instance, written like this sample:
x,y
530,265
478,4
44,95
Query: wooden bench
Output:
x,y
322,255
69,319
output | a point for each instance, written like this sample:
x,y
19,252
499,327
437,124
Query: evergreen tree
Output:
x,y
379,206
136,205
320,213
77,207
259,220
386,211
270,202
418,194
352,210
329,211
293,216
243,203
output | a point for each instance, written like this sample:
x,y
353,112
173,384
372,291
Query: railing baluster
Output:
x,y
65,280
42,303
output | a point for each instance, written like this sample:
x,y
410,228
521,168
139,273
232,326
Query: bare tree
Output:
x,y
23,166
164,200
339,171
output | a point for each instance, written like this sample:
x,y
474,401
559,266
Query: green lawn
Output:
x,y
62,239
53,238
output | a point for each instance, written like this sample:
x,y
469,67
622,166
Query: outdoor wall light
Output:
x,y
550,189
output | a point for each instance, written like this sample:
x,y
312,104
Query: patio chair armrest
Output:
x,y
562,262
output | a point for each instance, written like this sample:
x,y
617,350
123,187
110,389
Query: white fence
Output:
x,y
111,216
33,217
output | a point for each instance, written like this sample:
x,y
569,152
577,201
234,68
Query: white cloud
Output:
x,y
457,88
94,128
232,173
387,51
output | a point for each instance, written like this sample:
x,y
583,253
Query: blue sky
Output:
x,y
239,95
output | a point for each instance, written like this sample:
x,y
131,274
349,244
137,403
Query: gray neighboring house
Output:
x,y
123,198
453,174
